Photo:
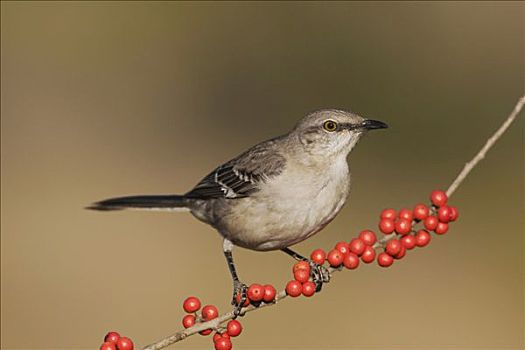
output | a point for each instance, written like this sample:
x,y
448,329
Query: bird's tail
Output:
x,y
165,202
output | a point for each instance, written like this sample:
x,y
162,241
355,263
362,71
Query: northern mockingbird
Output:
x,y
274,195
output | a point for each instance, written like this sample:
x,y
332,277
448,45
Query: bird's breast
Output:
x,y
288,209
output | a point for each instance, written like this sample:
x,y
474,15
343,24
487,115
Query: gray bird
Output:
x,y
276,194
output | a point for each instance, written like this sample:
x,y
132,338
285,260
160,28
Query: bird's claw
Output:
x,y
319,274
241,290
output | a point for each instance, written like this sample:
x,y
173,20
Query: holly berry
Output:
x,y
124,343
223,344
443,214
408,241
191,304
431,223
112,337
233,328
384,259
335,258
393,247
308,289
188,321
301,275
301,265
422,238
206,332
343,247
294,288
238,300
368,237
441,228
388,214
209,312
386,226
368,255
107,345
269,293
403,226
406,214
438,198
318,256
256,291
421,212
453,213
218,336
350,261
357,246
401,253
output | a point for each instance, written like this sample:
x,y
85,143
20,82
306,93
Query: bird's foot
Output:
x,y
319,275
240,296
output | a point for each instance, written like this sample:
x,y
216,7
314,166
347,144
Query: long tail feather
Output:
x,y
166,202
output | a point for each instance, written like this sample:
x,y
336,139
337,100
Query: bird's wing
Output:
x,y
241,176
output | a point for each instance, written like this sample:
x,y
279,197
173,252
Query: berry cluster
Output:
x,y
401,235
222,338
113,341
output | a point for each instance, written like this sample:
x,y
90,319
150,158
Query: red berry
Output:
x,y
438,198
393,247
421,212
233,328
335,257
206,332
301,275
269,293
308,289
223,344
301,265
124,343
403,226
441,228
369,255
294,288
209,312
408,241
351,261
191,304
342,247
368,237
256,292
112,337
443,214
384,260
188,321
401,253
453,213
357,246
406,214
388,214
431,223
238,300
386,226
108,346
217,336
318,256
422,238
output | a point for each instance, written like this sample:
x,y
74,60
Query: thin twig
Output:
x,y
215,323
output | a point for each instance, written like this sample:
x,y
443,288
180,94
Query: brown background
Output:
x,y
103,99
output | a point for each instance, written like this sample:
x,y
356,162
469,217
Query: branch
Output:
x,y
216,323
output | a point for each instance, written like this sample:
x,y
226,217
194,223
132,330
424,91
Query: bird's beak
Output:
x,y
370,124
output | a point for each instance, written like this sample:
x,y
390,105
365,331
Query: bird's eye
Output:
x,y
330,125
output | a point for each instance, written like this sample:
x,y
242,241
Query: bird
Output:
x,y
274,195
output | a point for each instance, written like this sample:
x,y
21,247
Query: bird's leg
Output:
x,y
319,273
239,288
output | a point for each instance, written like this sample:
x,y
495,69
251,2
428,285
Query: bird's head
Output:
x,y
331,132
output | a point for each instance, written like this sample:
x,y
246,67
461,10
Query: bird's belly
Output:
x,y
270,222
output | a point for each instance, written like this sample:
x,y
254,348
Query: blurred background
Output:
x,y
101,99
